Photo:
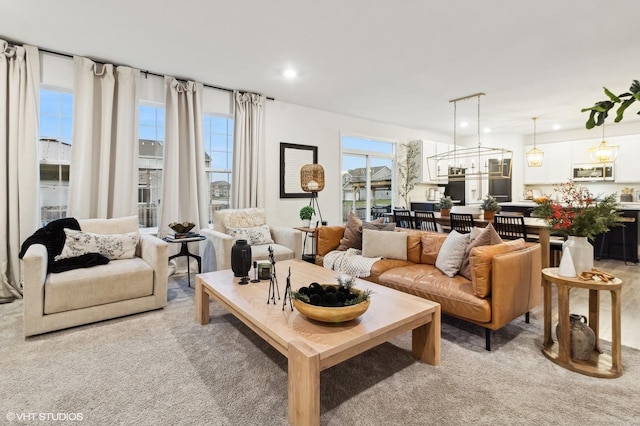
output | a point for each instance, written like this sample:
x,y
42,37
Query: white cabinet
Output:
x,y
627,166
580,151
556,165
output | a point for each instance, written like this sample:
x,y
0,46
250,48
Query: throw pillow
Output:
x,y
352,237
390,245
238,218
111,246
255,236
431,245
451,253
483,237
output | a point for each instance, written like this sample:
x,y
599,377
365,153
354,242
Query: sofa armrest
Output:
x,y
155,252
328,238
34,265
215,250
516,284
288,237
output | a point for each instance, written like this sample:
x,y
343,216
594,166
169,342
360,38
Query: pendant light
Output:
x,y
604,152
534,155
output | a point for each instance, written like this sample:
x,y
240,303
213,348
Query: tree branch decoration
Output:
x,y
408,170
600,110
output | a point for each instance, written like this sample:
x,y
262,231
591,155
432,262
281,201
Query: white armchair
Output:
x,y
53,301
216,248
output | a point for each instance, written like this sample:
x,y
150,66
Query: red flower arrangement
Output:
x,y
577,213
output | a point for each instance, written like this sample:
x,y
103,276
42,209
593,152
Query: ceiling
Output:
x,y
394,62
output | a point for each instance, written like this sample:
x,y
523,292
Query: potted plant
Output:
x,y
445,205
490,206
306,213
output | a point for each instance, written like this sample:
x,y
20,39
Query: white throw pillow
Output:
x,y
111,246
390,245
451,253
256,236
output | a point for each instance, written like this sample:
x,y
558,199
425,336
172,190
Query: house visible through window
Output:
x,y
56,112
150,157
367,177
218,153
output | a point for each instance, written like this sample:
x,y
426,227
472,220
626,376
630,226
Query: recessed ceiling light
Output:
x,y
464,124
556,127
290,73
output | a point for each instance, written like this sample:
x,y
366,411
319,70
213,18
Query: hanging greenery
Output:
x,y
600,110
408,170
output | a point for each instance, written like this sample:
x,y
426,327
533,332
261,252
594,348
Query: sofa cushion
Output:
x,y
414,245
352,237
392,245
111,246
486,236
81,288
451,253
481,260
431,243
328,238
119,225
256,235
238,218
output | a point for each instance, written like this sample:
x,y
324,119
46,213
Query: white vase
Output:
x,y
581,253
306,223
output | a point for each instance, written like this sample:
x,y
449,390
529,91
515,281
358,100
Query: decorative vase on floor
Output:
x,y
581,253
582,339
241,258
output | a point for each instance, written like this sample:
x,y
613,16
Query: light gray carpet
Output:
x,y
162,368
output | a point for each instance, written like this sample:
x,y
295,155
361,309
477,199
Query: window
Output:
x,y
367,177
150,157
218,157
56,112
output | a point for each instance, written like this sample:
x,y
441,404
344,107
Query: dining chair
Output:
x,y
402,218
425,220
461,222
510,227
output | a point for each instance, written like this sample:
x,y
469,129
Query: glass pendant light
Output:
x,y
534,155
604,152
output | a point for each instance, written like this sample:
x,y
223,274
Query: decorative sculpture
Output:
x,y
287,292
273,283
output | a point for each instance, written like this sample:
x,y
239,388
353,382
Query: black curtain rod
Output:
x,y
145,72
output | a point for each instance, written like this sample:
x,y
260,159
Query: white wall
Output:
x,y
307,126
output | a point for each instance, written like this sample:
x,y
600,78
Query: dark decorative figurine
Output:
x,y
273,283
287,292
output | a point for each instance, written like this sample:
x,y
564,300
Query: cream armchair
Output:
x,y
82,296
216,248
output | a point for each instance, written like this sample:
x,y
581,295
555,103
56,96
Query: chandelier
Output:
x,y
603,152
534,155
470,163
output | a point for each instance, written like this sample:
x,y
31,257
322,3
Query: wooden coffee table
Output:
x,y
311,346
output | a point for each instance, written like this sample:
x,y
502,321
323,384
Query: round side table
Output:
x,y
598,364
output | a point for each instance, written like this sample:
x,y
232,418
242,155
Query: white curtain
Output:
x,y
185,193
103,176
248,173
19,179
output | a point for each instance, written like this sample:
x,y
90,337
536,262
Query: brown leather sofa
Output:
x,y
506,278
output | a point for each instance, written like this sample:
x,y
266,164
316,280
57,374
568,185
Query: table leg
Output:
x,y
202,303
564,341
594,316
548,340
425,340
616,337
304,385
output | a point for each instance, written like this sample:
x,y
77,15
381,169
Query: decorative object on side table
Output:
x,y
306,213
578,215
582,339
241,258
445,205
181,227
490,206
330,303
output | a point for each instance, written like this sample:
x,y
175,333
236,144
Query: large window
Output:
x,y
56,112
218,154
367,177
150,157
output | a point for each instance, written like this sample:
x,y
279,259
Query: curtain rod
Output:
x,y
146,72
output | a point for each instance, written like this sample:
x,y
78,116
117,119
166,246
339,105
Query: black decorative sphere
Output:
x,y
315,299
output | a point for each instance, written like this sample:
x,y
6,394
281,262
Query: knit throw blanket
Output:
x,y
349,262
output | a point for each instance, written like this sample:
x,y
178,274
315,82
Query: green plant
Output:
x,y
490,204
578,213
307,212
601,109
408,170
446,202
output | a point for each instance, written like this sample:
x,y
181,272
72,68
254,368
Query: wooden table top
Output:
x,y
551,274
389,312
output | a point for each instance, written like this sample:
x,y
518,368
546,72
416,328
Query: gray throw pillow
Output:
x,y
451,253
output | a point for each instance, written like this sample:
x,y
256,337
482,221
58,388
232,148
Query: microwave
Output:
x,y
593,172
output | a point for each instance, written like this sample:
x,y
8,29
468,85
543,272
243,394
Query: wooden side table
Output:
x,y
598,364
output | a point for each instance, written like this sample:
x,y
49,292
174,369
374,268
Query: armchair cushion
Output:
x,y
238,218
255,236
112,246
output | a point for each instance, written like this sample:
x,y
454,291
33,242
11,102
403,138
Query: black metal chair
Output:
x,y
461,222
425,220
510,227
403,218
380,212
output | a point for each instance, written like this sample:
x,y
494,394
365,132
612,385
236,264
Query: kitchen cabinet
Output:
x,y
613,247
556,165
626,166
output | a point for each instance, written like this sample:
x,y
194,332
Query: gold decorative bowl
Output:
x,y
332,314
181,228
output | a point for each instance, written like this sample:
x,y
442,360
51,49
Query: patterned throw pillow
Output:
x,y
256,236
111,246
